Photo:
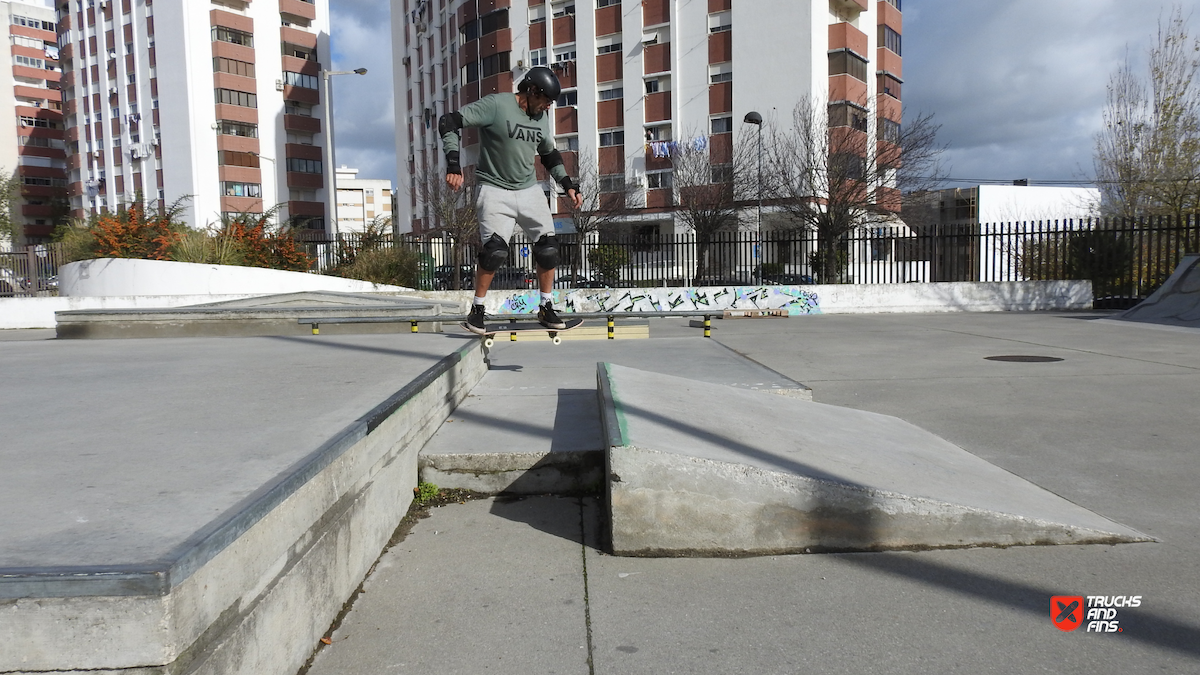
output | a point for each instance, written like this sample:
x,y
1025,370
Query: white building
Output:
x,y
219,100
634,74
361,200
31,143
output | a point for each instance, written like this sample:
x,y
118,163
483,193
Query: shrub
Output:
x,y
608,260
132,233
397,266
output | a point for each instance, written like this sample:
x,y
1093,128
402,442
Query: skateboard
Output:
x,y
493,329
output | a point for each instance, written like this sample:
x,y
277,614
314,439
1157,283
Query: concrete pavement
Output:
x,y
520,586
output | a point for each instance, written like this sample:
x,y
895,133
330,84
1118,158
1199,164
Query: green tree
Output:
x,y
10,190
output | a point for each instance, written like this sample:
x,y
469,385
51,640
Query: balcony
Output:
x,y
305,181
566,120
847,88
564,30
301,94
845,36
720,98
300,8
657,58
720,47
309,125
889,61
655,12
658,106
610,114
306,209
608,20
609,66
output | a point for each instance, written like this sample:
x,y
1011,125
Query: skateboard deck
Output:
x,y
494,329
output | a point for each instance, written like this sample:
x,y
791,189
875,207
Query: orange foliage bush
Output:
x,y
263,248
130,234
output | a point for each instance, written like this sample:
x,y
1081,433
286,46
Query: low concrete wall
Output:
x,y
1011,296
108,277
254,595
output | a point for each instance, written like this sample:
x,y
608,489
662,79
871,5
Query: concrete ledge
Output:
x,y
534,473
786,475
255,590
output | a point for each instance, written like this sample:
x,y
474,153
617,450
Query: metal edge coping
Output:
x,y
158,577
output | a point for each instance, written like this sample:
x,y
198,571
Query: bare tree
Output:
x,y
453,214
832,173
1147,156
606,201
712,180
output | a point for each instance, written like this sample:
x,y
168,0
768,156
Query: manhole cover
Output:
x,y
1024,358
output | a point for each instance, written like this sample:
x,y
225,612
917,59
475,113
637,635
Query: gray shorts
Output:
x,y
499,210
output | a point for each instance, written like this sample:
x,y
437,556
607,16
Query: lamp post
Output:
x,y
330,180
756,119
274,183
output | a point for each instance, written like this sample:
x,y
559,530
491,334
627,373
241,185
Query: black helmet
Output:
x,y
542,80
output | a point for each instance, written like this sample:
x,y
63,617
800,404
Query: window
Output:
x,y
611,138
28,61
232,189
845,166
605,3
565,9
889,85
720,22
652,86
610,94
613,182
659,133
303,165
38,122
232,35
493,22
720,72
567,144
847,115
722,173
659,180
295,108
298,52
722,125
224,65
564,54
894,3
471,72
537,13
537,57
568,98
234,97
34,23
890,39
232,128
609,48
231,158
470,30
496,63
846,62
889,130
301,80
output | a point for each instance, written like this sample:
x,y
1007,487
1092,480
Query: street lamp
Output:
x,y
330,182
756,119
274,182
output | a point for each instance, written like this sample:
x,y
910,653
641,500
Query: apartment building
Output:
x,y
361,200
218,101
637,76
31,143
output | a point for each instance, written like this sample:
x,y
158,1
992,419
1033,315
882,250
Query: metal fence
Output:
x,y
30,271
1122,258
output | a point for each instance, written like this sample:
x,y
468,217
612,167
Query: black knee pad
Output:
x,y
493,254
545,252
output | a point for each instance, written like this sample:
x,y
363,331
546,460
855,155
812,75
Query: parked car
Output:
x,y
514,277
10,284
443,277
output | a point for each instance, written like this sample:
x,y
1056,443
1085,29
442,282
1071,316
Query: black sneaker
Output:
x,y
549,318
476,320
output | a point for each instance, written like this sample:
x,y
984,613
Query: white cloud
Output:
x,y
364,132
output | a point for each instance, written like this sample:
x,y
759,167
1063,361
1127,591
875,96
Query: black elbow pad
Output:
x,y
450,123
552,159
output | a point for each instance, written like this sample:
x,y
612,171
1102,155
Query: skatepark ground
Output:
x,y
521,585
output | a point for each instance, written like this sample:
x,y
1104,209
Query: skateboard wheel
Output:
x,y
487,342
556,340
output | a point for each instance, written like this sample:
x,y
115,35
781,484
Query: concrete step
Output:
x,y
696,468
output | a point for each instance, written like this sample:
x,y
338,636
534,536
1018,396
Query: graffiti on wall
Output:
x,y
795,299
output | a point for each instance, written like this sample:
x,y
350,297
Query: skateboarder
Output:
x,y
512,129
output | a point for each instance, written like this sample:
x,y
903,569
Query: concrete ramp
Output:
x,y
705,469
1177,302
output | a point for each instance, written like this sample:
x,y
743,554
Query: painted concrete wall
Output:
x,y
108,277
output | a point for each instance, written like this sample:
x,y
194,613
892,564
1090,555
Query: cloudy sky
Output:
x,y
1018,86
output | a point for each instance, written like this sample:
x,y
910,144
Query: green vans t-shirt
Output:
x,y
508,139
